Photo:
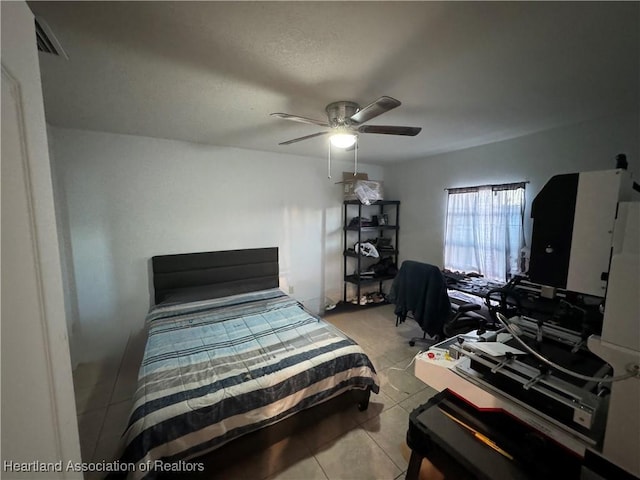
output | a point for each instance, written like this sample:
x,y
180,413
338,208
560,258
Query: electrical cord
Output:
x,y
402,370
632,370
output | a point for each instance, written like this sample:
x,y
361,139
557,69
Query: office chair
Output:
x,y
504,300
421,289
463,320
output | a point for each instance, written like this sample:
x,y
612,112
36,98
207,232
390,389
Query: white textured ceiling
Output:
x,y
467,73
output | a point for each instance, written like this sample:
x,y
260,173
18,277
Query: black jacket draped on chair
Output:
x,y
421,289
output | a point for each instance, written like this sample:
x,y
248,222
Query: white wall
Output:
x,y
66,260
420,184
129,198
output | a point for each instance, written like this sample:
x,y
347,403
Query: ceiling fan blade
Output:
x,y
299,139
297,118
390,130
380,106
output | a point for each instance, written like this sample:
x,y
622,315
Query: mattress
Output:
x,y
217,369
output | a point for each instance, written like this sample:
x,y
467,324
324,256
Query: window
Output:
x,y
484,232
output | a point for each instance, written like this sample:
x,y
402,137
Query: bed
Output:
x,y
227,354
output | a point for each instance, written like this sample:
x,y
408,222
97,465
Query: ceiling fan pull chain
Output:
x,y
355,156
329,166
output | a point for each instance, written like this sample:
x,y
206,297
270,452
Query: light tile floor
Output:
x,y
332,445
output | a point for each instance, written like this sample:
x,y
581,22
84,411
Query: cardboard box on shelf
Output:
x,y
350,182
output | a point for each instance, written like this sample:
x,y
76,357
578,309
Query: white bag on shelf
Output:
x,y
366,249
368,191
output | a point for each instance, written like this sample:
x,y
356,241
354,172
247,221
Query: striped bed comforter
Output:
x,y
217,369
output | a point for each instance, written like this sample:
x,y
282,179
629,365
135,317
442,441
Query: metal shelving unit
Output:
x,y
351,259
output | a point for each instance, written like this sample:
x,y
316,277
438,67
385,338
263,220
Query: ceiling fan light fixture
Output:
x,y
345,121
343,140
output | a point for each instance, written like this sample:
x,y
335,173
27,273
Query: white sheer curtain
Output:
x,y
484,232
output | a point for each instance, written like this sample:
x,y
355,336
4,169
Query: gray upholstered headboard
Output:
x,y
214,274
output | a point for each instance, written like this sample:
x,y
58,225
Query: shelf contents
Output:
x,y
372,258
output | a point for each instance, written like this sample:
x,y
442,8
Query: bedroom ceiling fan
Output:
x,y
345,120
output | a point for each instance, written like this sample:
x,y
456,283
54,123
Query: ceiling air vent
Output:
x,y
47,41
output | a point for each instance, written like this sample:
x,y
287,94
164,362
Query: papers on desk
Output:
x,y
468,298
464,297
494,349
